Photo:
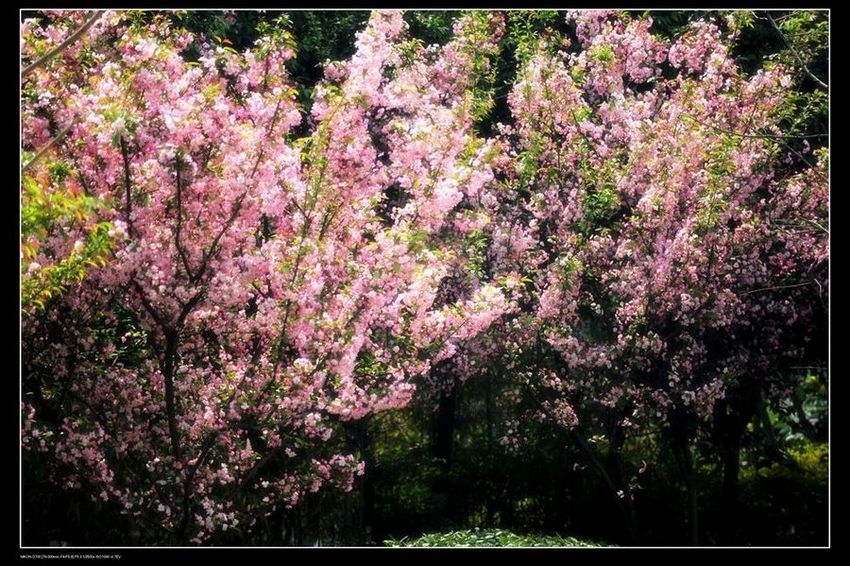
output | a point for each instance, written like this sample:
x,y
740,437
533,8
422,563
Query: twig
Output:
x,y
62,133
778,287
794,52
62,46
128,185
816,225
178,224
759,135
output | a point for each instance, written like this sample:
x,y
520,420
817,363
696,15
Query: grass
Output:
x,y
490,538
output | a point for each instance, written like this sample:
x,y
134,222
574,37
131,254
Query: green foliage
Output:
x,y
784,502
742,20
808,33
527,29
804,50
321,37
812,458
476,244
600,202
238,30
671,24
602,53
524,32
491,538
431,27
49,203
483,72
43,207
50,281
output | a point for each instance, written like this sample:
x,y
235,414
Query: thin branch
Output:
x,y
755,136
171,338
188,307
258,467
237,206
149,307
213,249
778,287
179,222
84,184
794,52
62,133
817,225
799,155
62,46
209,442
128,185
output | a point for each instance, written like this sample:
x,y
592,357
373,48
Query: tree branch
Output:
x,y
209,442
757,135
794,52
778,287
128,201
62,46
148,307
170,400
62,133
178,224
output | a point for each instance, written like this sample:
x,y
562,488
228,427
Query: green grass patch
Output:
x,y
491,538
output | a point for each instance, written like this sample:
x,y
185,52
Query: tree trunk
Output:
x,y
615,466
771,442
731,416
443,451
170,396
357,504
367,483
693,503
444,445
625,508
684,460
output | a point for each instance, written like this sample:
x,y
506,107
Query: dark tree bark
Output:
x,y
731,416
681,445
618,475
613,488
444,445
359,504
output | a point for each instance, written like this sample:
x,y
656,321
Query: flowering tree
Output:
x,y
260,289
209,296
680,256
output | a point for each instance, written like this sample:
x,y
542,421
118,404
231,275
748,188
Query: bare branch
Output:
x,y
778,287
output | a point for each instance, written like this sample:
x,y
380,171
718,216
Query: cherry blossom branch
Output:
x,y
207,445
237,206
817,225
179,222
127,186
59,137
778,287
62,46
754,136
